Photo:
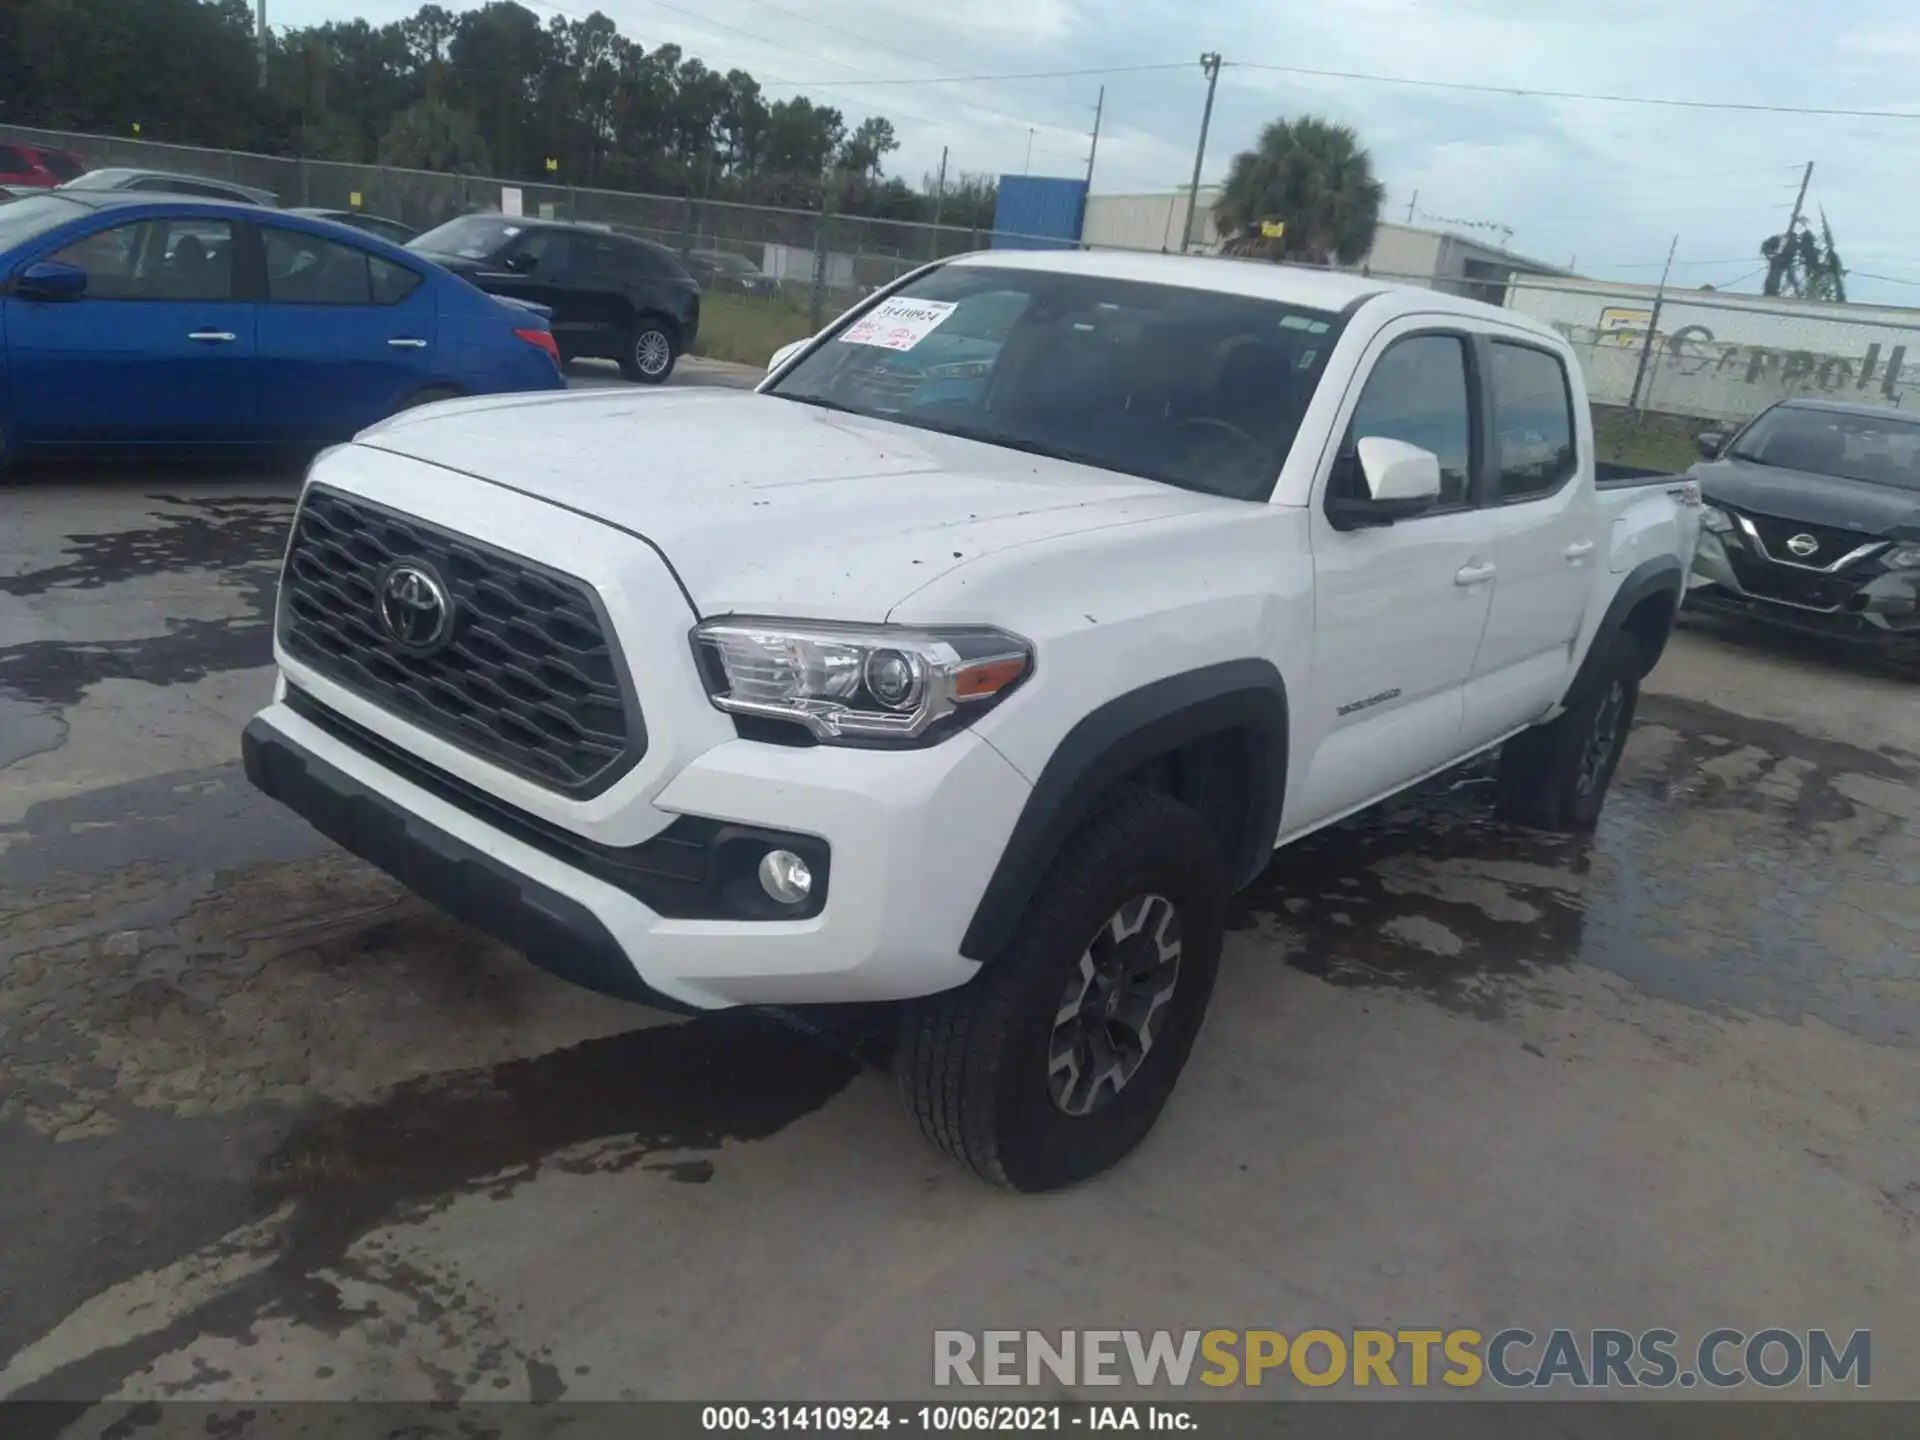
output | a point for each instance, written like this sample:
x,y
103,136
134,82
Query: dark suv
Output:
x,y
1812,523
613,297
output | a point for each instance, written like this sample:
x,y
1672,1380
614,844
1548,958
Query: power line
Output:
x,y
842,30
830,85
1527,92
983,79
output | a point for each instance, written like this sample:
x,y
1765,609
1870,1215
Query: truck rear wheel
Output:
x,y
1055,1060
1555,777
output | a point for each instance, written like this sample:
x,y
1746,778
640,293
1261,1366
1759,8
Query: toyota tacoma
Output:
x,y
969,677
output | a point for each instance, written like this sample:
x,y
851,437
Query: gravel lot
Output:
x,y
270,1127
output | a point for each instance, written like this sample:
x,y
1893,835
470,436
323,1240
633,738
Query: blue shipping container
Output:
x,y
1036,212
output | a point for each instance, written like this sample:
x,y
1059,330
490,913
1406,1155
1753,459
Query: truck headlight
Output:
x,y
1715,520
860,683
1903,557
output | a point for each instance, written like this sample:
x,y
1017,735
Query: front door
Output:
x,y
1547,544
158,351
1398,609
345,337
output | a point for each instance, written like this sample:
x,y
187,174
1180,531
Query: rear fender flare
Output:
x,y
1661,575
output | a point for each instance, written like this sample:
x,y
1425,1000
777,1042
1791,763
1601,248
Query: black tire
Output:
x,y
1555,777
649,352
432,395
973,1063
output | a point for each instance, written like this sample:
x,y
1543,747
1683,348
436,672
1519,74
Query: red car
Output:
x,y
38,166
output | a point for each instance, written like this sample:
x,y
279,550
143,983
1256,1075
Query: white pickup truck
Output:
x,y
974,659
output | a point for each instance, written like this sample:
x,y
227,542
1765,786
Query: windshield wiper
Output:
x,y
1012,442
819,403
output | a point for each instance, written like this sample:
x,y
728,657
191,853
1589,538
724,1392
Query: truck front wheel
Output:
x,y
1555,777
1055,1060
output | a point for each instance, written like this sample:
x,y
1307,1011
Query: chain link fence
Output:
x,y
1660,365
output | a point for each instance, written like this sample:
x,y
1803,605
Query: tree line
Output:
x,y
489,91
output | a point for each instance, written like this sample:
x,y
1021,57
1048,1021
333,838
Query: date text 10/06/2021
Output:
x,y
945,1419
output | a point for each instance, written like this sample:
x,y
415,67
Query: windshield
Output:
x,y
1880,449
472,237
34,215
1191,387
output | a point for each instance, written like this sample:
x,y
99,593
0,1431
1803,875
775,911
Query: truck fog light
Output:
x,y
785,876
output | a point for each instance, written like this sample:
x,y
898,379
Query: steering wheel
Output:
x,y
1226,425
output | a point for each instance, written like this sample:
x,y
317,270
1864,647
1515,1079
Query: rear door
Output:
x,y
539,265
1398,609
345,336
1546,540
159,351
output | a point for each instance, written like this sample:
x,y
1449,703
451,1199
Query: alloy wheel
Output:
x,y
652,353
1602,739
1114,1005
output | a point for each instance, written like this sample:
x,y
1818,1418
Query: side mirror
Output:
x,y
51,280
1402,480
786,353
1399,473
1711,443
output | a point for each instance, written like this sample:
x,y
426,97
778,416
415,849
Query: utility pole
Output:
x,y
1653,329
260,38
939,203
1806,178
1209,62
1410,204
1094,149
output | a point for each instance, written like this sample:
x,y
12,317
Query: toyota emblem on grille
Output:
x,y
1803,545
415,609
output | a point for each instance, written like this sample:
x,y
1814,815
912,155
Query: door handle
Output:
x,y
1475,573
407,342
1579,550
213,337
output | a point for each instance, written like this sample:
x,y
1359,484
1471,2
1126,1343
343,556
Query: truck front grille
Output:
x,y
527,674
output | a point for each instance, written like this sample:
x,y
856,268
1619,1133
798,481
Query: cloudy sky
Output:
x,y
1608,184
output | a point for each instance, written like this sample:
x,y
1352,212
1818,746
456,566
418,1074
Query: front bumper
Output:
x,y
913,837
1883,609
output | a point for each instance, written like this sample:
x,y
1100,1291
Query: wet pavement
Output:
x,y
269,1127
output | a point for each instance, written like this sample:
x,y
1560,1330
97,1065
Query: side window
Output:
x,y
629,259
1417,393
180,259
552,253
307,270
1533,433
15,161
391,283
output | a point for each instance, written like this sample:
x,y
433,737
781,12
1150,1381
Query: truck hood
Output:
x,y
1831,500
767,506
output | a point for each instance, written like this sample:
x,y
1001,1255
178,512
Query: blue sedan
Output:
x,y
130,320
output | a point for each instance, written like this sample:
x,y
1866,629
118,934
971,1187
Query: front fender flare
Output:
x,y
1114,741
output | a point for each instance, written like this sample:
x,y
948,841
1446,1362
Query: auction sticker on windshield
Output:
x,y
898,324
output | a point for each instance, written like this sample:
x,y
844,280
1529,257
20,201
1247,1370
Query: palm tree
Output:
x,y
1317,179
